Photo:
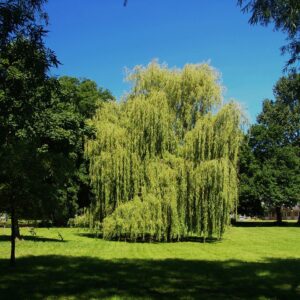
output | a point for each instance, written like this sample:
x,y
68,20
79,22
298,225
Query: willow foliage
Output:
x,y
163,161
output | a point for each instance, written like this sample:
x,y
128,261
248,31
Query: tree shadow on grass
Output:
x,y
6,238
198,239
153,241
265,224
89,235
91,278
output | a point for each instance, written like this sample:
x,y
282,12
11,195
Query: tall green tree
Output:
x,y
285,15
163,162
38,132
20,45
275,149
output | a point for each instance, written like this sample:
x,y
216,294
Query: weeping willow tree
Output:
x,y
163,162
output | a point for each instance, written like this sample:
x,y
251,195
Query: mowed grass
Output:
x,y
249,263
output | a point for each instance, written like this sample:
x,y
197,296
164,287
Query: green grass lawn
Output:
x,y
249,263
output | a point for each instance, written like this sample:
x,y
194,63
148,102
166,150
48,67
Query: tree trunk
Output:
x,y
17,230
278,215
169,233
13,237
298,218
169,227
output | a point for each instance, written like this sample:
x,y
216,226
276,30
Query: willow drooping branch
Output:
x,y
163,162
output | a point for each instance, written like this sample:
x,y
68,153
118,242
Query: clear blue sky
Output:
x,y
97,39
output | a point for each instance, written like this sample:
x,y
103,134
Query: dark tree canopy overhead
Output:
x,y
25,20
285,15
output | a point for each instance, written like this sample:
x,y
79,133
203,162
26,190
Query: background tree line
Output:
x,y
270,155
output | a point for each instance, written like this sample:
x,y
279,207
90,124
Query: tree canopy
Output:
x,y
285,15
272,174
83,97
163,161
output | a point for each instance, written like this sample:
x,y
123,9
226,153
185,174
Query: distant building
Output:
x,y
287,213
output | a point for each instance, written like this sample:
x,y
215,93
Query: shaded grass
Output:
x,y
90,278
5,238
249,263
